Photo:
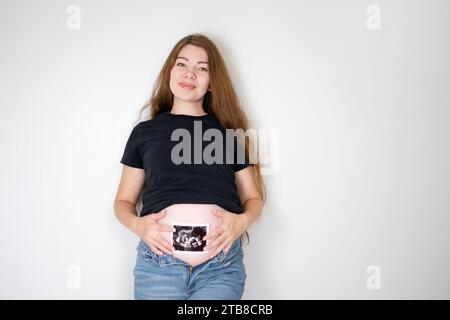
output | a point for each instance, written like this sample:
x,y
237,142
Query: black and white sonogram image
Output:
x,y
189,237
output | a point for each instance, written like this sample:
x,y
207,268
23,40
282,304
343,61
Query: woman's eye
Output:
x,y
181,64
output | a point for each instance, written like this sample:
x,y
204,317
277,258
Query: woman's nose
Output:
x,y
190,73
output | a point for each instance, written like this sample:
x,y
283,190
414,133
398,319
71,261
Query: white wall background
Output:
x,y
364,152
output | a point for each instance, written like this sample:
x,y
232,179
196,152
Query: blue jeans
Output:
x,y
166,277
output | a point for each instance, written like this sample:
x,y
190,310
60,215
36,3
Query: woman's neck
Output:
x,y
188,109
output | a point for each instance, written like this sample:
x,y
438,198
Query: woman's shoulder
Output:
x,y
149,122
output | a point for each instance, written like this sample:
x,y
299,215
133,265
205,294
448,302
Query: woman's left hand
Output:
x,y
233,225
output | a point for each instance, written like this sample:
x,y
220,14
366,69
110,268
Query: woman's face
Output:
x,y
189,77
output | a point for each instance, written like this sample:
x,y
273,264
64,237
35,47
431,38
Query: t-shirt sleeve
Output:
x,y
241,161
132,154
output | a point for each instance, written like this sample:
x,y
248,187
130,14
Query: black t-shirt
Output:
x,y
149,147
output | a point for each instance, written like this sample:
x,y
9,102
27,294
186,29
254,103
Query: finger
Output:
x,y
210,243
213,251
166,245
218,212
217,250
161,249
166,228
227,248
159,215
216,242
156,250
213,234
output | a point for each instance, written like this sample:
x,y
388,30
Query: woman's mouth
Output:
x,y
187,86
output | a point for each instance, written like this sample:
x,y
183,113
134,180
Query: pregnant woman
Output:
x,y
200,193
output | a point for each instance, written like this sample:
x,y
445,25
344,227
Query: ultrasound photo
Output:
x,y
189,237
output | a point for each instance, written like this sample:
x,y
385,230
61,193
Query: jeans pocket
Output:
x,y
146,253
233,254
219,257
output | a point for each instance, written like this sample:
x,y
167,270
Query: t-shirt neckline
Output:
x,y
187,116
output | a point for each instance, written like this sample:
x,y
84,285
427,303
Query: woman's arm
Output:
x,y
233,225
147,227
130,186
249,195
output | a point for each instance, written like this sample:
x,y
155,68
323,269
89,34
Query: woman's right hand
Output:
x,y
149,229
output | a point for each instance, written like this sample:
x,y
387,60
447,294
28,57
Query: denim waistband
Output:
x,y
168,259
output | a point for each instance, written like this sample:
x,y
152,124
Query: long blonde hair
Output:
x,y
221,101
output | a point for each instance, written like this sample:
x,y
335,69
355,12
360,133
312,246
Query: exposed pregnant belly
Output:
x,y
191,222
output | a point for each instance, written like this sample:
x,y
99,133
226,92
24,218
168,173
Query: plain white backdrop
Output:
x,y
359,205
